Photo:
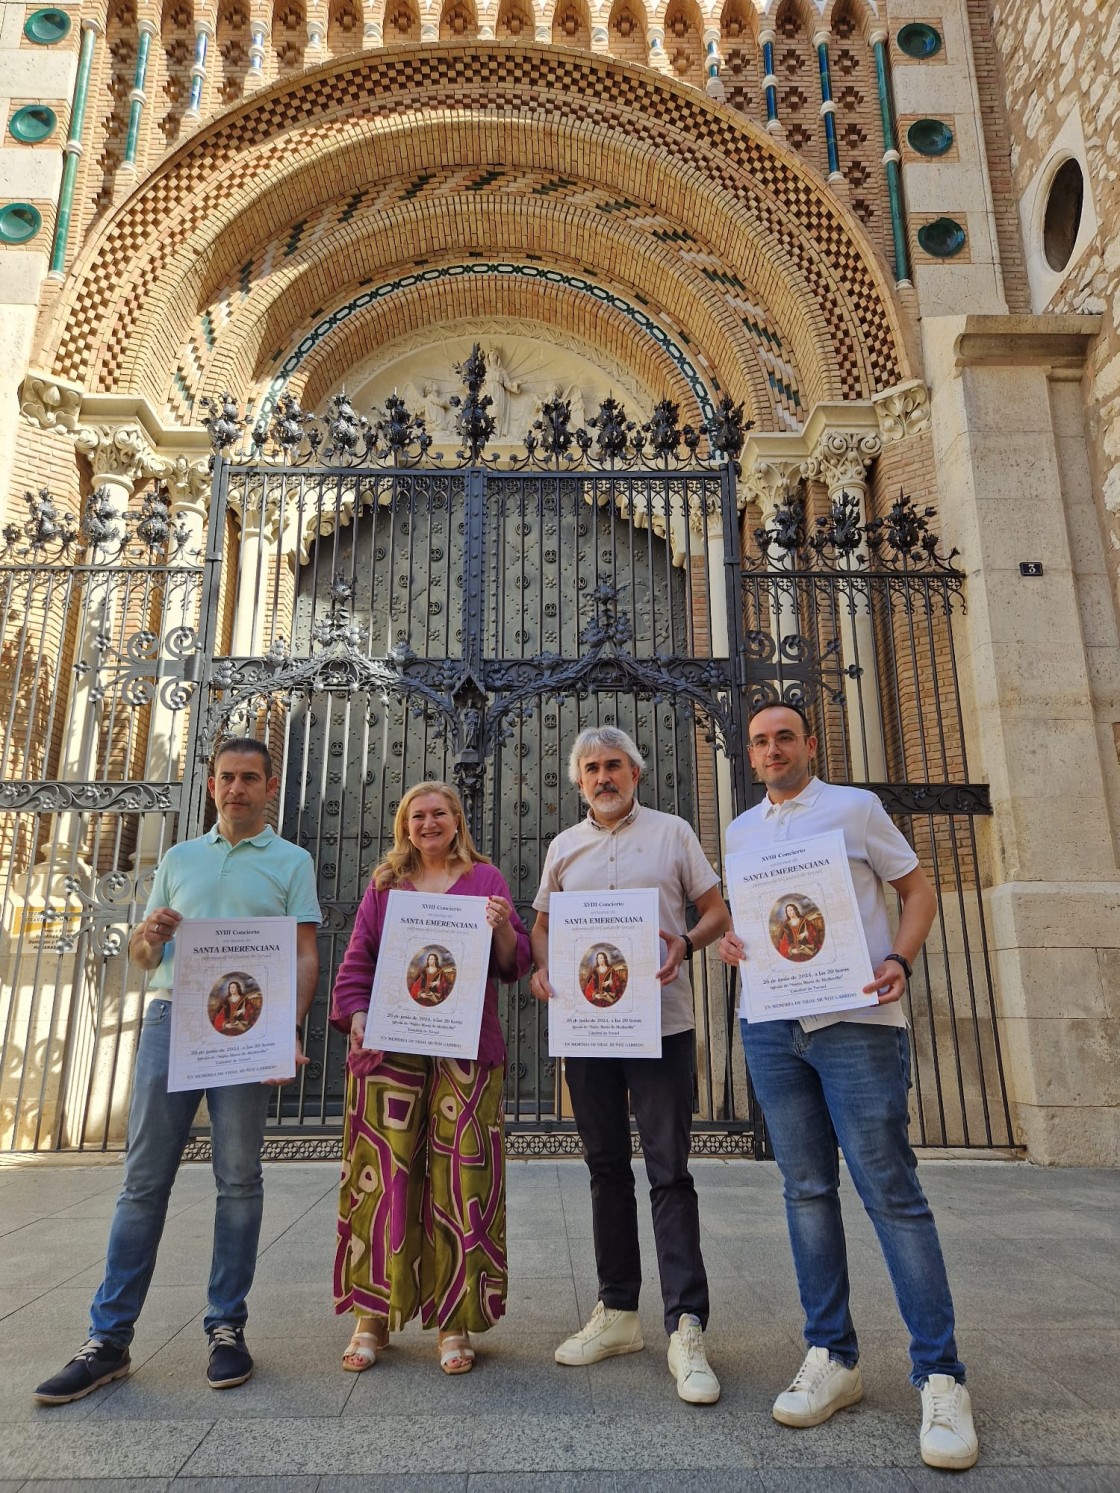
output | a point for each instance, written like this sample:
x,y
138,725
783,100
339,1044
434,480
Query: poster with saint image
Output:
x,y
233,1002
429,982
795,908
604,951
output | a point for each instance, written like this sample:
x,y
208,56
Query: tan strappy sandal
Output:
x,y
363,1348
456,1356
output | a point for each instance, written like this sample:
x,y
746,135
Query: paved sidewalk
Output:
x,y
1032,1256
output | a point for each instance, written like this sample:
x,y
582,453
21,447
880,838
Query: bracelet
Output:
x,y
688,949
898,959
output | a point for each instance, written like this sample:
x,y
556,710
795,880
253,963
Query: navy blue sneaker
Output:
x,y
231,1363
93,1365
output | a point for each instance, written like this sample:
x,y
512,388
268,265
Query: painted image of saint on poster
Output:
x,y
797,927
603,974
235,1003
431,975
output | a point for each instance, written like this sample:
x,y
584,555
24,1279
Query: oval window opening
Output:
x,y
45,27
19,221
32,123
1063,214
919,40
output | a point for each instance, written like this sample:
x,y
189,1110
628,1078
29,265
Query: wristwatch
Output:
x,y
898,959
688,949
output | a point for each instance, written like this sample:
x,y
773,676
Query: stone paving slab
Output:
x,y
100,1453
1031,1254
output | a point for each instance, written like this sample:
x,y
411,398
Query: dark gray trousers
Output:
x,y
659,1090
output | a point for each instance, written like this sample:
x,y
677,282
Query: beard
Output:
x,y
610,804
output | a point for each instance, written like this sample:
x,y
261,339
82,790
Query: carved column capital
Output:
x,y
705,514
188,483
119,454
257,510
840,460
768,484
903,410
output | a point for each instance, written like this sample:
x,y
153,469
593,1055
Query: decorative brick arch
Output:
x,y
306,270
703,212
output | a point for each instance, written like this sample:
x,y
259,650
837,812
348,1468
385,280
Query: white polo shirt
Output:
x,y
878,852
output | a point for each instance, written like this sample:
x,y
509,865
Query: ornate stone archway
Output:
x,y
382,166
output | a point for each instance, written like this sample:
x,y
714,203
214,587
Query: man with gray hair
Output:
x,y
622,844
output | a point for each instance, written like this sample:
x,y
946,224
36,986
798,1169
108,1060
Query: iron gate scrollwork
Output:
x,y
466,624
379,615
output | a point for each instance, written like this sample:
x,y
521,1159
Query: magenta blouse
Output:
x,y
353,984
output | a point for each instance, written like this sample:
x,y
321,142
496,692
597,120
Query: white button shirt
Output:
x,y
878,852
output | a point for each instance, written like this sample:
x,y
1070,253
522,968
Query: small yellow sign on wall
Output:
x,y
45,927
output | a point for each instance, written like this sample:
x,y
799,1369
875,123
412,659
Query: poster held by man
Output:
x,y
794,906
233,1002
604,954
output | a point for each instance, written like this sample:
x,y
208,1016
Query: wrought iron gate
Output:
x,y
378,620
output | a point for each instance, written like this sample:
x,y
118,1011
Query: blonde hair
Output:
x,y
403,861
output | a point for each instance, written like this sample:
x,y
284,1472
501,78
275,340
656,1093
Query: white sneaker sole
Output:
x,y
596,1355
803,1419
950,1461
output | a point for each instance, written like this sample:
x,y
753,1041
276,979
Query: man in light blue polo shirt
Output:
x,y
241,869
844,1077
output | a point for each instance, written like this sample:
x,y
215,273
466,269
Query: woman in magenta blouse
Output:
x,y
422,1216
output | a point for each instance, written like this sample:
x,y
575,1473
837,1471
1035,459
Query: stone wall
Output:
x,y
1059,65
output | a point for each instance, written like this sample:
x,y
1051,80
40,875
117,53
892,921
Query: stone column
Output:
x,y
120,457
705,523
203,36
137,99
1040,657
257,507
62,999
713,62
768,484
91,30
841,460
259,30
658,57
316,33
188,486
766,37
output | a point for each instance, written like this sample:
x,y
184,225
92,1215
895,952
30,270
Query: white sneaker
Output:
x,y
608,1333
948,1435
688,1364
820,1387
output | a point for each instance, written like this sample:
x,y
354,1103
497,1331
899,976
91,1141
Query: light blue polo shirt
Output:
x,y
260,877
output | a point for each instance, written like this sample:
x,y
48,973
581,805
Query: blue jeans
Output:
x,y
848,1083
158,1127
